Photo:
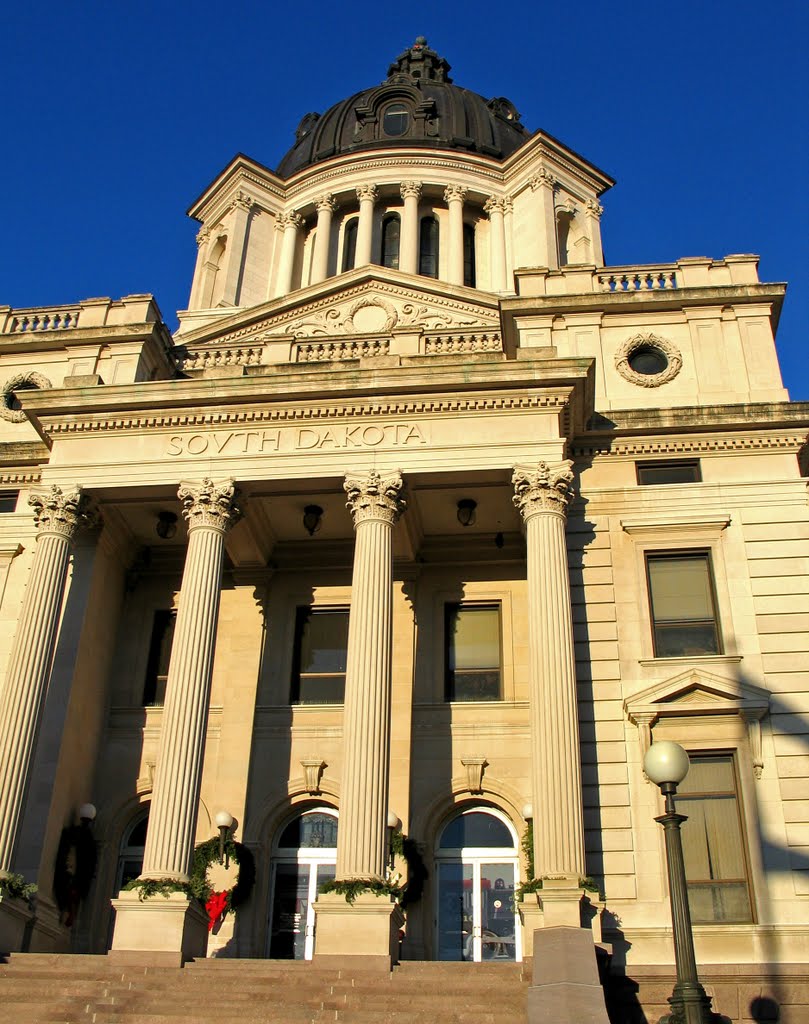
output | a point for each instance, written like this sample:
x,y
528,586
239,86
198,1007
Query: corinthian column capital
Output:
x,y
209,504
375,497
594,208
367,192
453,193
241,201
544,489
410,188
494,204
326,202
62,512
203,235
543,177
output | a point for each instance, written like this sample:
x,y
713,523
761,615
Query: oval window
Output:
x,y
396,120
648,360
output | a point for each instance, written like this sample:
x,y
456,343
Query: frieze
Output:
x,y
420,407
296,439
688,446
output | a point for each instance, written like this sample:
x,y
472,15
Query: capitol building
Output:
x,y
392,563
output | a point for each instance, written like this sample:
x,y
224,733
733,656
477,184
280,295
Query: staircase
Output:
x,y
39,988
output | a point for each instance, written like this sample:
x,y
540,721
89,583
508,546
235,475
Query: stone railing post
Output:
x,y
58,515
542,496
375,504
210,510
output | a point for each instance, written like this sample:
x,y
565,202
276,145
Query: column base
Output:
x,y
559,904
15,916
174,927
565,985
368,928
560,899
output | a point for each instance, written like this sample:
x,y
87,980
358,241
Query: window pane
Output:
x,y
428,247
469,255
8,501
473,652
395,120
390,242
321,644
157,665
311,831
669,472
713,845
682,605
350,245
475,830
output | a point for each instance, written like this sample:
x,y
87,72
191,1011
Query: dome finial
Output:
x,y
420,63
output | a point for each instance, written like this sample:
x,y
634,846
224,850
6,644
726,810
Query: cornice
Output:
x,y
12,477
550,400
618,449
545,147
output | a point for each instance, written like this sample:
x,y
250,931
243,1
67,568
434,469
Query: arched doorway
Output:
x,y
477,872
304,857
130,852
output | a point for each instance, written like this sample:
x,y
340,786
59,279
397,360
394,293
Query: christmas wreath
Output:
x,y
219,903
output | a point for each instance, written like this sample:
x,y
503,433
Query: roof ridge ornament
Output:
x,y
421,63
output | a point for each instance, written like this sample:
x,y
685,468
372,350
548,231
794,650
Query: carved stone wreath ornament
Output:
x,y
22,381
673,356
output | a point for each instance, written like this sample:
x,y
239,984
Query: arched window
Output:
x,y
350,244
130,854
477,871
428,247
469,272
390,241
563,220
305,857
396,120
214,278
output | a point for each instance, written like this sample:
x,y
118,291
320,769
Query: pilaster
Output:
x,y
409,255
326,206
367,195
454,196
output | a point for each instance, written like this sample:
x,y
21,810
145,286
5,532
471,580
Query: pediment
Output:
x,y
372,302
698,692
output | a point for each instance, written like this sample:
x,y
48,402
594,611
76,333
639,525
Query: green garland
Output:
x,y
353,887
198,887
16,886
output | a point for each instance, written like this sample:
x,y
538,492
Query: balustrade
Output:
x,y
638,279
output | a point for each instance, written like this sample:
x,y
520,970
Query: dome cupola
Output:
x,y
417,105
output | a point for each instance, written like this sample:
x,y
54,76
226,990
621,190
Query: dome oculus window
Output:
x,y
396,120
648,360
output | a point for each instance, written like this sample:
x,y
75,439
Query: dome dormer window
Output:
x,y
396,120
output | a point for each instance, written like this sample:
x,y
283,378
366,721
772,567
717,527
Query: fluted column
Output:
x,y
203,241
375,504
209,510
58,516
496,209
454,196
291,224
542,496
367,196
409,252
544,234
320,259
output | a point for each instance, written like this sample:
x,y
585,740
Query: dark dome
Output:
x,y
417,105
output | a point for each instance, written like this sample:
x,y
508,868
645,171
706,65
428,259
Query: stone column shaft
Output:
x,y
59,515
367,196
210,511
542,496
547,252
361,838
409,252
234,253
496,210
593,211
203,241
454,196
320,258
291,223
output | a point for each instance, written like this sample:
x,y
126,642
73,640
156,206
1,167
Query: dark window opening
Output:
x,y
8,501
472,647
672,471
683,606
396,120
319,661
350,244
390,241
157,666
648,360
469,268
428,247
713,847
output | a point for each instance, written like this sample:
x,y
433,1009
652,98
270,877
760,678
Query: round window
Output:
x,y
396,120
648,360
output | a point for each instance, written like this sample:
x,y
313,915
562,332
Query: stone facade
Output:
x,y
381,398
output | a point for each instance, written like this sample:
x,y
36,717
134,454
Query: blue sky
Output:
x,y
117,115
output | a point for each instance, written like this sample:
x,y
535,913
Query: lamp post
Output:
x,y
666,764
224,822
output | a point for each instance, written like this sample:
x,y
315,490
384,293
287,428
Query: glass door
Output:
x,y
475,914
